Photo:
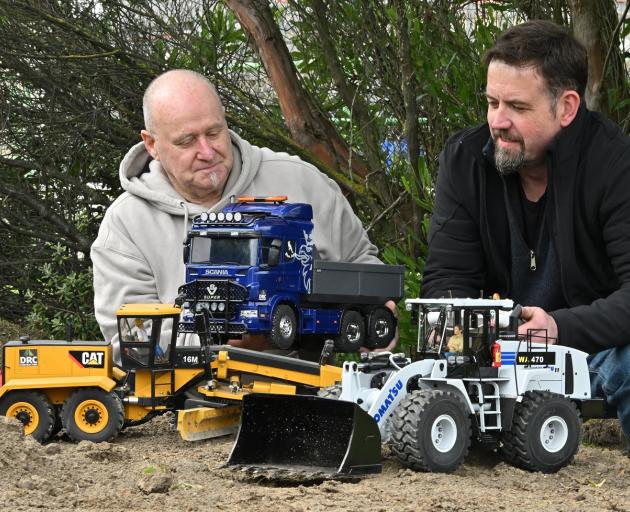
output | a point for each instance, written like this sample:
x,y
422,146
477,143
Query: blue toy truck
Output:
x,y
253,268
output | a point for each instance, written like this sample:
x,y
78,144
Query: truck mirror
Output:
x,y
274,252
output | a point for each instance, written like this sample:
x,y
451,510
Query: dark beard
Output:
x,y
508,162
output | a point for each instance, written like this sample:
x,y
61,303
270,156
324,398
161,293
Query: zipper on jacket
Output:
x,y
532,260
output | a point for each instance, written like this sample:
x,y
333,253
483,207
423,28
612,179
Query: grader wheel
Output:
x,y
91,414
34,410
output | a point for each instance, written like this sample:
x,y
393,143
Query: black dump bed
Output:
x,y
356,283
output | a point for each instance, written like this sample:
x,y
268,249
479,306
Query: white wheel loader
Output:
x,y
523,395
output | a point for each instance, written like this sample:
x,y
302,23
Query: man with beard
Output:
x,y
535,205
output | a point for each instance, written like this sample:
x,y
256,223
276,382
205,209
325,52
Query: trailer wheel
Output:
x,y
381,328
352,333
34,410
431,431
91,414
283,327
546,432
333,392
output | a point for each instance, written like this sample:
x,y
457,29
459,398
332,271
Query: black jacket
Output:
x,y
588,199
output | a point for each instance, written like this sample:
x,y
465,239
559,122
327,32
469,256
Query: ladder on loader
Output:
x,y
487,406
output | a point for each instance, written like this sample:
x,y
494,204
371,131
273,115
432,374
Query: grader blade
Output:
x,y
306,433
207,422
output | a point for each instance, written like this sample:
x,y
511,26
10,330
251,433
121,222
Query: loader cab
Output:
x,y
480,321
147,334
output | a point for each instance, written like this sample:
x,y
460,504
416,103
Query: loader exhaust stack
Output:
x,y
306,433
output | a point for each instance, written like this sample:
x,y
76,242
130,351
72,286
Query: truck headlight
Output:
x,y
221,306
249,313
213,306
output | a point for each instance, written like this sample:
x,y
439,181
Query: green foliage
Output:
x,y
63,297
153,469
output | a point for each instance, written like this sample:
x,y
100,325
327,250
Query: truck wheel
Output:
x,y
333,392
546,432
34,410
431,431
283,327
352,333
91,414
381,328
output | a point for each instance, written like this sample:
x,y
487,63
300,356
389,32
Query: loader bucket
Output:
x,y
306,433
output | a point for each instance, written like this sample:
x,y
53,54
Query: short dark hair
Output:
x,y
559,58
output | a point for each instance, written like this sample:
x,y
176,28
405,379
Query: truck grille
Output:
x,y
214,327
208,290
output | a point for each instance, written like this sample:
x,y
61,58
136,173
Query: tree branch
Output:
x,y
305,122
66,228
358,108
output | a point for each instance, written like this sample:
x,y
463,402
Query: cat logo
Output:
x,y
28,357
88,358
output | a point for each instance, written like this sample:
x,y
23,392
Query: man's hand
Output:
x,y
252,342
391,305
537,318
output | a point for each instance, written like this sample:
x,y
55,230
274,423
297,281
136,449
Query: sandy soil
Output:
x,y
151,468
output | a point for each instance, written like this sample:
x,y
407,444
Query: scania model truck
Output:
x,y
253,268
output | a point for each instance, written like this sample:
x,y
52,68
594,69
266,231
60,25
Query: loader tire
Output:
x,y
431,431
352,333
381,328
91,414
546,432
283,327
333,392
33,409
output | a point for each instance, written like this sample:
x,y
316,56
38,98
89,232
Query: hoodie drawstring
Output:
x,y
186,215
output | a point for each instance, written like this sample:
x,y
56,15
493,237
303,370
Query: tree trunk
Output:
x,y
595,25
306,124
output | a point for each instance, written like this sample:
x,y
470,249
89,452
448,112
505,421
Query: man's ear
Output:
x,y
568,105
149,144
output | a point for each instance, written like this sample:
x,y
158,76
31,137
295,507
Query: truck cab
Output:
x,y
242,261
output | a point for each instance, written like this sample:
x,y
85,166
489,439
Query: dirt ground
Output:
x,y
150,468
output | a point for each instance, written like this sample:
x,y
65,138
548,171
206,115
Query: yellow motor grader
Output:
x,y
74,385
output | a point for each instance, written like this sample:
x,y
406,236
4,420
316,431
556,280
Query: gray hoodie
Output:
x,y
137,256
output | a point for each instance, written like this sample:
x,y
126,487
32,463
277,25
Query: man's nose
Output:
x,y
499,119
205,151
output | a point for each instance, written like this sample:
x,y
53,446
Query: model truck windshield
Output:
x,y
224,251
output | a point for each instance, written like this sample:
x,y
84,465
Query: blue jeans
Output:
x,y
610,379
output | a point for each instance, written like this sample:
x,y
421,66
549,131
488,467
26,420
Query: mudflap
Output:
x,y
207,422
308,434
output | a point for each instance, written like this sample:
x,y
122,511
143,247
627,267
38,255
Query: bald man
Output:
x,y
189,162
